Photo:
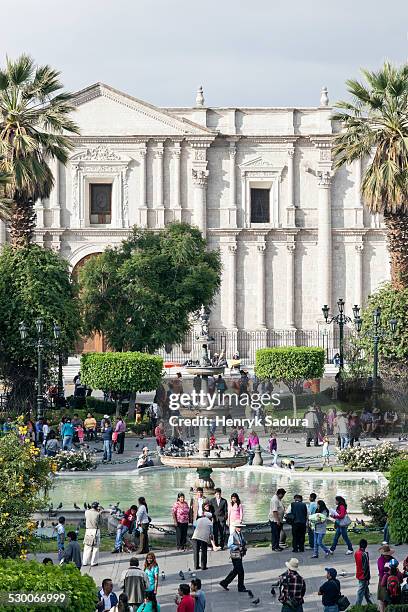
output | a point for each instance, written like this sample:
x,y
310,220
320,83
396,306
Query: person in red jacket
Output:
x,y
184,601
126,525
363,573
341,524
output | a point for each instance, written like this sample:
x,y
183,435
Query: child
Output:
x,y
212,442
326,451
80,433
60,537
392,580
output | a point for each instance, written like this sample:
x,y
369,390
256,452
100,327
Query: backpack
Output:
x,y
393,588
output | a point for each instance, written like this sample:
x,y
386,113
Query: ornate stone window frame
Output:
x,y
99,165
258,173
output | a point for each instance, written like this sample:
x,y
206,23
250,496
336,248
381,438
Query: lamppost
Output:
x,y
341,320
60,384
40,344
376,333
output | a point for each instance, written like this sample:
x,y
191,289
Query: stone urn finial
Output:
x,y
324,97
200,96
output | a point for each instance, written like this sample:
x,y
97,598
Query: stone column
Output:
x,y
3,233
176,191
232,220
39,213
232,287
324,233
291,189
260,264
200,178
142,187
290,285
358,279
158,180
54,196
358,218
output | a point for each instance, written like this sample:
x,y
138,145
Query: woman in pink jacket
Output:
x,y
235,512
342,522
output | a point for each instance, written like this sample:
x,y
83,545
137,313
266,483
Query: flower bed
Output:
x,y
373,459
75,461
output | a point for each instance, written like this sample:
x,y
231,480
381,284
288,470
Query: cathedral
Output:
x,y
258,182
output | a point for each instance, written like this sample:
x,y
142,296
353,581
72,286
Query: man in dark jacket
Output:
x,y
330,590
299,510
219,508
72,553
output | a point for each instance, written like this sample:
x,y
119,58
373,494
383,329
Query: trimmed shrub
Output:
x,y
397,501
74,461
94,404
367,608
290,364
369,459
144,426
76,403
374,507
121,372
397,608
31,576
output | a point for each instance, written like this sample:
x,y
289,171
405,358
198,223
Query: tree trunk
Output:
x,y
397,239
22,222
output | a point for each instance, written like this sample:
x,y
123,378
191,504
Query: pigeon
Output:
x,y
89,506
273,592
307,469
137,445
181,575
54,524
59,506
76,506
255,602
42,524
163,576
51,506
85,506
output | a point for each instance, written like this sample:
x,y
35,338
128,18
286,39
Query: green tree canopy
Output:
x,y
375,128
121,372
290,364
35,125
34,282
140,294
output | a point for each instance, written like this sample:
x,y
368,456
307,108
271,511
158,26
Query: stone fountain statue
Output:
x,y
203,462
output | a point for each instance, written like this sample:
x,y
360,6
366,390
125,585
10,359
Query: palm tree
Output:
x,y
5,203
34,128
375,127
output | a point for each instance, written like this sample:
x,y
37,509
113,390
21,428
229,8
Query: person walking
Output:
x,y
292,587
203,534
134,583
342,427
318,521
107,441
330,591
363,575
67,434
181,516
220,516
276,513
151,569
298,509
341,523
60,529
72,553
311,509
237,548
273,448
142,523
120,429
326,451
312,427
92,536
235,512
253,443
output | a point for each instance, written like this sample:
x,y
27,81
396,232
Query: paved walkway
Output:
x,y
261,567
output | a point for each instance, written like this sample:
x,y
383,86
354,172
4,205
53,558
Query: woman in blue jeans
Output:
x,y
318,522
342,522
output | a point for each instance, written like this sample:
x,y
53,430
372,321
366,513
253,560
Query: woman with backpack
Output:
x,y
385,557
391,582
341,523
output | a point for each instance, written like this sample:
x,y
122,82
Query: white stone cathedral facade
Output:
x,y
259,183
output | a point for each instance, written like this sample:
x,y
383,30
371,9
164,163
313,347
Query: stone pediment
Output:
x,y
258,162
102,110
99,153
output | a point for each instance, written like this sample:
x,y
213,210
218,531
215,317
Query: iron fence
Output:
x,y
246,343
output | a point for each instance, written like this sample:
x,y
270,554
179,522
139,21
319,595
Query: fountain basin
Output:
x,y
198,462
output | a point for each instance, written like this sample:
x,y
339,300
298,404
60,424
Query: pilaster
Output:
x,y
260,264
142,187
291,219
290,284
358,278
158,182
176,192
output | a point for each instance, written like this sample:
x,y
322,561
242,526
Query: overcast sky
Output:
x,y
252,53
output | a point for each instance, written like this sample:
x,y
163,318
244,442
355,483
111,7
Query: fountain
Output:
x,y
203,461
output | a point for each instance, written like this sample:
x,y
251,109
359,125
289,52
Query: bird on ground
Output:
x,y
255,602
273,592
42,524
59,506
307,469
137,445
181,575
163,576
54,524
51,506
85,506
76,506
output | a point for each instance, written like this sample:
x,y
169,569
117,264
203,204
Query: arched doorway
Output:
x,y
97,342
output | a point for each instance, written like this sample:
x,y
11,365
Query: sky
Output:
x,y
243,53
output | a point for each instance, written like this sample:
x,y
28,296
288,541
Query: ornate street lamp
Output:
x,y
340,319
40,343
376,333
60,384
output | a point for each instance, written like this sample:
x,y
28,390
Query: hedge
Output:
x,y
94,404
397,501
367,608
32,576
290,364
121,372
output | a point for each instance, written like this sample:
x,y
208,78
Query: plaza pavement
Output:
x,y
262,566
